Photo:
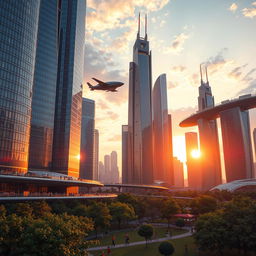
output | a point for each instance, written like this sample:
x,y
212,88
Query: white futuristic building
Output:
x,y
237,185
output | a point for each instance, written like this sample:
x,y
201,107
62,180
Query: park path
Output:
x,y
142,242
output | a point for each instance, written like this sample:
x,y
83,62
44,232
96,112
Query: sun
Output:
x,y
195,153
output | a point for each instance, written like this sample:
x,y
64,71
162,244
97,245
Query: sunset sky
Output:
x,y
182,34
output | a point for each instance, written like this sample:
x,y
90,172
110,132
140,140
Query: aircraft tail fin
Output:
x,y
90,86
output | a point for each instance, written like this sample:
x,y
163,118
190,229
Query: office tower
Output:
x,y
140,143
162,136
124,154
237,148
254,141
68,106
178,173
101,172
114,168
171,174
209,143
193,163
44,88
87,139
107,167
18,28
96,155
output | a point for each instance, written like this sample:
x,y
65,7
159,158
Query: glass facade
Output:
x,y
140,115
18,37
96,155
67,127
162,136
44,89
87,139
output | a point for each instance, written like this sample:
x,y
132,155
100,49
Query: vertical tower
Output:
x,y
44,88
209,143
67,123
87,139
237,146
124,154
162,153
140,113
18,30
193,164
96,155
107,173
171,172
101,172
178,173
114,168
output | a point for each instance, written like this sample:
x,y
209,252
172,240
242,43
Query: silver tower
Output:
x,y
140,142
209,143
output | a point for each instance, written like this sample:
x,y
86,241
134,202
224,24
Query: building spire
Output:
x,y
207,81
146,27
201,74
138,34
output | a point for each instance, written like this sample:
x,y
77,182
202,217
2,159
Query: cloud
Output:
x,y
178,42
115,138
250,12
111,14
178,68
237,72
112,115
233,7
247,77
250,89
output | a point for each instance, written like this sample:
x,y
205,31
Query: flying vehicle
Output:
x,y
105,86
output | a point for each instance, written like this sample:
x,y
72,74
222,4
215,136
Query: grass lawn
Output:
x,y
134,237
152,250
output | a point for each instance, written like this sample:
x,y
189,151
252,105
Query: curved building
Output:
x,y
237,185
18,35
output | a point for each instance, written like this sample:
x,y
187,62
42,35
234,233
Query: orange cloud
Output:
x,y
177,43
250,12
233,7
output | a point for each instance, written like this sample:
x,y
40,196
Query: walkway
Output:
x,y
142,242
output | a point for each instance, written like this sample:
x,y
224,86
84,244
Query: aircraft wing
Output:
x,y
98,81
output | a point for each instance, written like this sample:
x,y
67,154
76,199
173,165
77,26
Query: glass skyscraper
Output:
x,y
163,167
87,139
44,89
18,37
140,143
67,127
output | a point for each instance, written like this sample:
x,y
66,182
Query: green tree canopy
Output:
x,y
146,231
169,208
166,248
203,204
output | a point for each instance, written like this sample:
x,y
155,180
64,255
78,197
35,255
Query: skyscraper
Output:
x,y
87,139
162,136
114,168
101,172
67,123
178,173
140,142
107,168
193,164
237,147
209,143
18,28
254,141
44,88
124,154
96,155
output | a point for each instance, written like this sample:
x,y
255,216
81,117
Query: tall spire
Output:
x,y
146,27
138,34
207,81
201,74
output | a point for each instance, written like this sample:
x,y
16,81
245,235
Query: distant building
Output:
x,y
114,168
140,142
209,143
44,87
87,139
107,167
162,135
254,141
237,148
125,154
19,25
171,172
193,164
96,155
178,173
68,105
101,172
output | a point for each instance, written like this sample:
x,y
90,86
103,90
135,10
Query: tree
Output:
x,y
203,204
166,248
146,231
180,223
100,214
23,209
121,212
80,210
40,208
169,209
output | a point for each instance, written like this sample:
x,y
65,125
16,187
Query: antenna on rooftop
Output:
x,y
201,74
146,26
138,34
206,75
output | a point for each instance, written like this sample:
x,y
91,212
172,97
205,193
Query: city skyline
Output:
x,y
186,43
